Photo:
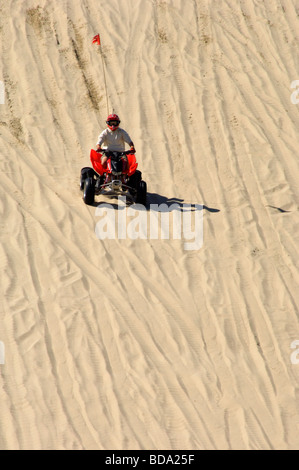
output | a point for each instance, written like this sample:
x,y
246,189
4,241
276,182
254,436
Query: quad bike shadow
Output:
x,y
157,200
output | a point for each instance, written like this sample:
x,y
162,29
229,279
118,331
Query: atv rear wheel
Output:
x,y
88,193
141,193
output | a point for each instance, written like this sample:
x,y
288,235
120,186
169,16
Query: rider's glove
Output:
x,y
133,149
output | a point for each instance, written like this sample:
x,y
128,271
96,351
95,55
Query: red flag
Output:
x,y
96,40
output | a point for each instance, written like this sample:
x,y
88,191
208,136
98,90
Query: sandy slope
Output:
x,y
141,344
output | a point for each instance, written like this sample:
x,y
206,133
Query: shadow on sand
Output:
x,y
278,209
154,198
157,199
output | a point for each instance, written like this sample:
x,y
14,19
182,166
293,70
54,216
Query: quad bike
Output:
x,y
119,177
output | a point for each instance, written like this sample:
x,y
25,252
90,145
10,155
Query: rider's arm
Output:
x,y
132,147
128,140
101,140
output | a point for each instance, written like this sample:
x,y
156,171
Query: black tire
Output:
x,y
135,179
88,193
141,193
85,172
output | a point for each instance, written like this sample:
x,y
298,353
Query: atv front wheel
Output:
x,y
85,172
135,179
88,192
141,193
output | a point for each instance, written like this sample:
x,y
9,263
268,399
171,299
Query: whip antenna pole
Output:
x,y
105,80
96,40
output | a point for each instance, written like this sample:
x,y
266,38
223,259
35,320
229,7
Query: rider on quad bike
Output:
x,y
114,139
114,169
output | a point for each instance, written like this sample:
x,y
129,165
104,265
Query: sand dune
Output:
x,y
144,344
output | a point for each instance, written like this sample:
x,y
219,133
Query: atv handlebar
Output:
x,y
110,152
